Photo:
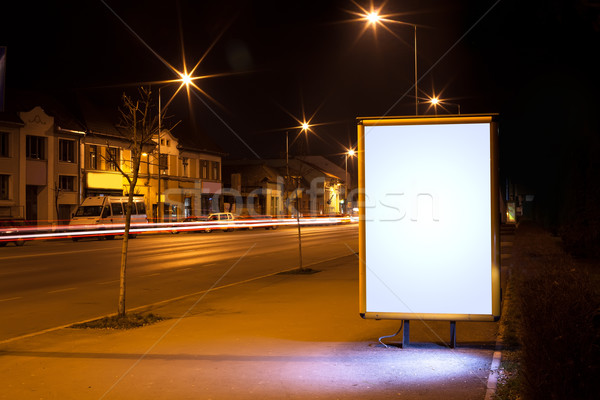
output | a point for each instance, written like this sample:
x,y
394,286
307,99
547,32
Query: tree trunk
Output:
x,y
122,275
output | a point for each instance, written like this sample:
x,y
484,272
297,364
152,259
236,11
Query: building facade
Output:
x,y
49,164
312,185
39,169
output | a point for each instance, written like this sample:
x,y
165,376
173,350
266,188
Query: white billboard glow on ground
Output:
x,y
429,221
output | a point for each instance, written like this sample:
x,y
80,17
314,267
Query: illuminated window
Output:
x,y
4,144
66,150
93,157
35,147
66,183
4,187
113,158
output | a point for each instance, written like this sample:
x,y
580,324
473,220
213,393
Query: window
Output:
x,y
93,157
117,208
184,164
66,183
113,158
4,187
204,169
164,162
88,211
66,150
4,144
215,170
35,147
141,208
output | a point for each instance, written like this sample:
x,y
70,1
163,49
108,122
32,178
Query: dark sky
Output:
x,y
529,61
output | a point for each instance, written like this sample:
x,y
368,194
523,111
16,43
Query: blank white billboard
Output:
x,y
429,218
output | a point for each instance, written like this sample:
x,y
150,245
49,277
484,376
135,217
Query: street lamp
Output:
x,y
373,19
349,153
435,101
185,80
305,127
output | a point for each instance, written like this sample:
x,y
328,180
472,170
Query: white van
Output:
x,y
108,210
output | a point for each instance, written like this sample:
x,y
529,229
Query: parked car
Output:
x,y
10,227
100,212
196,219
258,221
224,219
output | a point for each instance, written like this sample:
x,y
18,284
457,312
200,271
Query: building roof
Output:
x,y
96,112
57,105
255,170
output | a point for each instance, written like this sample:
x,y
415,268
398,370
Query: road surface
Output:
x,y
47,284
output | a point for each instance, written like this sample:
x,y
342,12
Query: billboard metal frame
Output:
x,y
494,239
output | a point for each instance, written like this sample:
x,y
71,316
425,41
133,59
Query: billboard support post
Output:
x,y
452,334
405,334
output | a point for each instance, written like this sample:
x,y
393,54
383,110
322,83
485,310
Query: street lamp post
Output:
x,y
287,171
416,75
184,80
374,18
159,211
351,154
304,128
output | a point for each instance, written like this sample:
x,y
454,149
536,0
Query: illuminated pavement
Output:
x,y
284,336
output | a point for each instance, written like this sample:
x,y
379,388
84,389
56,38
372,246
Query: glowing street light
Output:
x,y
373,17
186,79
435,102
349,153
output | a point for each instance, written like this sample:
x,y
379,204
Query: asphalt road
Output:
x,y
48,284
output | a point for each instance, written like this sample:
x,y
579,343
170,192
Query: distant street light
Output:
x,y
373,19
305,128
349,153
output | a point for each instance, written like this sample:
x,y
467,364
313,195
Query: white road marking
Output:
x,y
10,298
62,290
57,253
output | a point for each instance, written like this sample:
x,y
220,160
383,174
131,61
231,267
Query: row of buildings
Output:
x,y
52,156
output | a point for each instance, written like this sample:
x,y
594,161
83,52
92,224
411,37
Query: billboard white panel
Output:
x,y
429,218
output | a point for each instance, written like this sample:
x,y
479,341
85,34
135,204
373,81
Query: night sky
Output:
x,y
534,64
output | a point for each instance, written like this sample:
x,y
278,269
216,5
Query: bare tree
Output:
x,y
138,126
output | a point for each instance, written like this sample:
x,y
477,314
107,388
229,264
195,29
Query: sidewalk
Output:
x,y
284,336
